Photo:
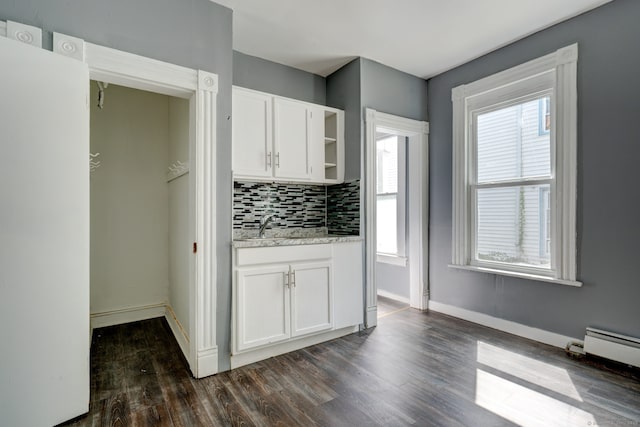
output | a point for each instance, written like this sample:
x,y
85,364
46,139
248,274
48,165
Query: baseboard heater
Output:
x,y
610,345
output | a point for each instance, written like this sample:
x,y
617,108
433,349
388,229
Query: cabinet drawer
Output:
x,y
281,254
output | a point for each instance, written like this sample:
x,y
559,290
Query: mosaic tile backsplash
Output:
x,y
343,208
296,207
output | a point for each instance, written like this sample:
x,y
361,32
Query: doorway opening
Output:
x,y
392,273
396,189
198,89
139,208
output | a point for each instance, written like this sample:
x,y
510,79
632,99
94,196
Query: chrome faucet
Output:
x,y
264,221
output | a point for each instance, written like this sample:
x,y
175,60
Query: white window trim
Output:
x,y
400,261
557,70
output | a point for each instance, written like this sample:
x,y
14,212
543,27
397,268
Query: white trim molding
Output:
x,y
22,33
400,261
417,133
126,315
71,47
262,353
201,88
553,75
535,334
393,296
178,330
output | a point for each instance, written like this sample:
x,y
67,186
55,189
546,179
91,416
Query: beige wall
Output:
x,y
129,199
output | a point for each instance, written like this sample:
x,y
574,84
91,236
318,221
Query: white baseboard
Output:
x,y
535,334
252,356
126,315
206,363
178,331
372,317
392,296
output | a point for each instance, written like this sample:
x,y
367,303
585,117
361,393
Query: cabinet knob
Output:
x,y
269,159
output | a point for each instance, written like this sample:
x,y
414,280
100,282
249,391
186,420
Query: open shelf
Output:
x,y
330,145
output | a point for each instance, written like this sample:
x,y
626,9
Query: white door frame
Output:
x,y
417,133
201,88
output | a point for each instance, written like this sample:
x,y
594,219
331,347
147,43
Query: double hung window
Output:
x,y
515,170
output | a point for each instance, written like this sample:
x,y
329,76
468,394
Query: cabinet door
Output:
x,y
252,134
311,298
348,287
263,306
292,134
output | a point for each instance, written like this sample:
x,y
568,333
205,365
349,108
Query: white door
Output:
x,y
252,134
291,136
263,306
311,297
44,236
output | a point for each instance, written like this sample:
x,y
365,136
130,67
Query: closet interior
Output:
x,y
139,186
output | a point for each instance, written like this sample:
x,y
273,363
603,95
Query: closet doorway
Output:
x,y
153,250
139,211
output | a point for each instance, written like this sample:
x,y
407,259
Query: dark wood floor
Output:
x,y
388,306
414,368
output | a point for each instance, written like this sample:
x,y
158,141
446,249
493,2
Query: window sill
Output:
x,y
518,274
399,261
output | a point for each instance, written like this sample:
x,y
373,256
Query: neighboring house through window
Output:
x,y
514,170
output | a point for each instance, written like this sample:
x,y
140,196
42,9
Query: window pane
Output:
x,y
514,142
514,225
387,164
387,225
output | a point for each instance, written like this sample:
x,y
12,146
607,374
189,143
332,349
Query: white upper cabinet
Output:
x,y
292,139
282,139
252,134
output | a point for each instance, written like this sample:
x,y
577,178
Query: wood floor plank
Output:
x,y
152,416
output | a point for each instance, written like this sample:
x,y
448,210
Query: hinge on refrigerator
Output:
x,y
195,247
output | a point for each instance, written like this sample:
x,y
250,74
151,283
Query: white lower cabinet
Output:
x,y
264,306
311,308
291,294
278,302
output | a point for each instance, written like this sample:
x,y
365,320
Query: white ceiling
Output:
x,y
420,37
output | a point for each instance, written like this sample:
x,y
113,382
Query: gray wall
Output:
x,y
391,91
393,279
608,173
191,33
388,90
361,84
343,92
260,74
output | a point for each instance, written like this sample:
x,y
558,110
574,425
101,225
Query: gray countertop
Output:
x,y
289,241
